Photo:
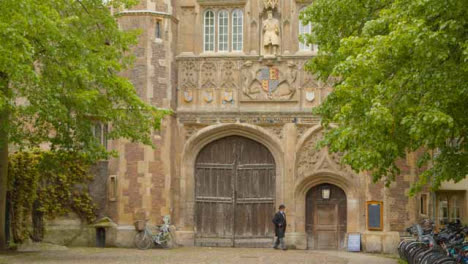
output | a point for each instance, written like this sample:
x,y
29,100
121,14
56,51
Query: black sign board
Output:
x,y
374,215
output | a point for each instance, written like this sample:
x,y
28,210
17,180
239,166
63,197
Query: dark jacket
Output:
x,y
280,224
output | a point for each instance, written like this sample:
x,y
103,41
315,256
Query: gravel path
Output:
x,y
192,256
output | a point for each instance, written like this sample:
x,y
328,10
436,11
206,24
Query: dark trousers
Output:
x,y
279,241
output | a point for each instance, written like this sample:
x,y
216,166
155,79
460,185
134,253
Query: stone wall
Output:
x,y
261,96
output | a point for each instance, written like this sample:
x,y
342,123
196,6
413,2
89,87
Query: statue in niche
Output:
x,y
271,39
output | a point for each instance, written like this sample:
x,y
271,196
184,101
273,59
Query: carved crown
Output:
x,y
270,4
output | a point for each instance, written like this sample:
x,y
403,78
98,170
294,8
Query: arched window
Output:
x,y
237,30
305,29
209,31
223,28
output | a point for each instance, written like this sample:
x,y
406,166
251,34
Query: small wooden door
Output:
x,y
234,193
326,218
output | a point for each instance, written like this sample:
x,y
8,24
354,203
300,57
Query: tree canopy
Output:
x,y
59,76
400,77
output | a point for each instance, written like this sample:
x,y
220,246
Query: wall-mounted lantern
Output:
x,y
326,192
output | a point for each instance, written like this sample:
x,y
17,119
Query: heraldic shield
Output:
x,y
269,77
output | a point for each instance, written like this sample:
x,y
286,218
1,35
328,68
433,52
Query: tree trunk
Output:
x,y
4,120
38,223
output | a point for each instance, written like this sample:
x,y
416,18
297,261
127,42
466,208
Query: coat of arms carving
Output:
x,y
269,78
228,97
208,96
270,84
188,96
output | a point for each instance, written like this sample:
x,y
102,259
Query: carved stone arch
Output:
x,y
324,176
349,186
317,159
308,157
208,134
312,175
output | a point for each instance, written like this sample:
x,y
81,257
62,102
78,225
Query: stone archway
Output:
x,y
353,200
234,193
193,146
326,217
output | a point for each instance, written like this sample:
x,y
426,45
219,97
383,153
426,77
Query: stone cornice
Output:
x,y
193,117
146,13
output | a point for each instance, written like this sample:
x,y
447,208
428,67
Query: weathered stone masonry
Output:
x,y
250,93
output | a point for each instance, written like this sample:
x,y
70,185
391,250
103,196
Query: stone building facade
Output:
x,y
242,139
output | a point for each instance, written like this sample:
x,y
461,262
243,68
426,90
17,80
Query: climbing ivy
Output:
x,y
47,184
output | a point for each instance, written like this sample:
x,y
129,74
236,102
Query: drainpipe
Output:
x,y
434,207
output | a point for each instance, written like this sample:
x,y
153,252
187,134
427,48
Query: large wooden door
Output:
x,y
234,193
326,218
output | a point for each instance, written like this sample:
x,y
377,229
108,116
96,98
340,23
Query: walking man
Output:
x,y
280,227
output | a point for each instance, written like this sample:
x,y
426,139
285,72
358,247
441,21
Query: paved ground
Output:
x,y
192,256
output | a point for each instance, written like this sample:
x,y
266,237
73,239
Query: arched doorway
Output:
x,y
234,193
326,217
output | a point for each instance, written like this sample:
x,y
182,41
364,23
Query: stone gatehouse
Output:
x,y
242,138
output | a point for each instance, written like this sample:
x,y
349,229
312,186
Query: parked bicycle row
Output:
x,y
447,246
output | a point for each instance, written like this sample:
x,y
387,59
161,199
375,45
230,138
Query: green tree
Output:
x,y
59,75
400,74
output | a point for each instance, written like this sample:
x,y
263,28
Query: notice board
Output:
x,y
375,215
354,242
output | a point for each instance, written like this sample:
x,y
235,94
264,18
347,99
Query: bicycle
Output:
x,y
145,236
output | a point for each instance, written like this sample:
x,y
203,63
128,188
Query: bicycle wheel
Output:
x,y
142,240
163,240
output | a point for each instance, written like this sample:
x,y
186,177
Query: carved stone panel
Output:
x,y
308,156
314,90
311,158
229,75
275,130
189,75
231,82
269,83
208,75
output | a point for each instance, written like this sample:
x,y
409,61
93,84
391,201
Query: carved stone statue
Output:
x,y
271,39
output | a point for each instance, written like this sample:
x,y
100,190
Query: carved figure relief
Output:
x,y
271,38
248,76
208,75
